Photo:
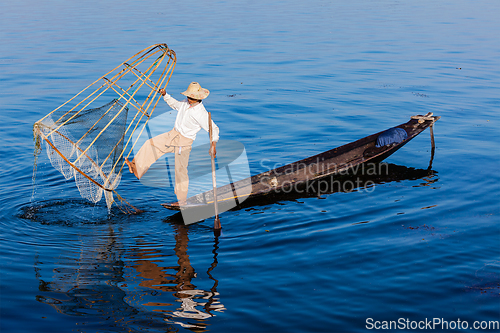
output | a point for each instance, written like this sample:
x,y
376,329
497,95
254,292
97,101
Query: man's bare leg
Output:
x,y
181,174
181,201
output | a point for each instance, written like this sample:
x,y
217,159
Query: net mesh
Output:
x,y
93,154
88,137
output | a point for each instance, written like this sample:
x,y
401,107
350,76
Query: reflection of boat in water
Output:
x,y
293,177
354,180
131,286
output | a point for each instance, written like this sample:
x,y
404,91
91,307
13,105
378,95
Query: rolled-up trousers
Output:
x,y
170,142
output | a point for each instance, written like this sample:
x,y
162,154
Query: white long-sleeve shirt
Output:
x,y
190,119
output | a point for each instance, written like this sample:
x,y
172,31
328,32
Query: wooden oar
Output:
x,y
217,225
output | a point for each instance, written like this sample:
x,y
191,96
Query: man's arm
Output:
x,y
172,102
201,117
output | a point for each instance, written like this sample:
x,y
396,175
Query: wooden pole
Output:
x,y
217,225
433,147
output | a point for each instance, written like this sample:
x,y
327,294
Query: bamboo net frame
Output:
x,y
139,73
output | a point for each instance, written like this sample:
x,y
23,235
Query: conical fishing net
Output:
x,y
88,137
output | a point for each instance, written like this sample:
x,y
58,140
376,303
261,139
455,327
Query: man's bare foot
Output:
x,y
131,166
179,203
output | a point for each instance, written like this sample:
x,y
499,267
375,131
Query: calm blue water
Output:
x,y
289,79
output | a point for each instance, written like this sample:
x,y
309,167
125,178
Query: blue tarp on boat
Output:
x,y
392,135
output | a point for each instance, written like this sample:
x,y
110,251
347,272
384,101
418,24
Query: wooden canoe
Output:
x,y
336,162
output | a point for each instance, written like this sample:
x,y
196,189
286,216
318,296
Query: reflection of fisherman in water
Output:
x,y
101,285
196,303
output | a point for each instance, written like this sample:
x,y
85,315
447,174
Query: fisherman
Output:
x,y
191,117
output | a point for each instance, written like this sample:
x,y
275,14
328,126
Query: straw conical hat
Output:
x,y
196,91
